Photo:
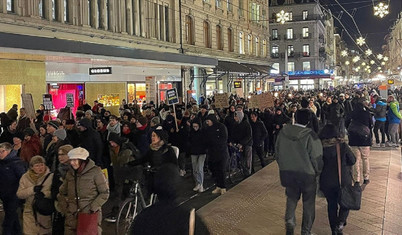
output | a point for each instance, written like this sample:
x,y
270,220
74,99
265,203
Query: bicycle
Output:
x,y
235,163
132,206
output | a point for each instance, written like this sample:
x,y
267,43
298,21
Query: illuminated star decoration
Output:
x,y
369,52
385,58
355,59
381,10
379,56
347,62
372,62
344,53
282,17
383,63
361,41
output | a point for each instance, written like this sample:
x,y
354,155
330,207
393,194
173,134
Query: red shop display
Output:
x,y
59,95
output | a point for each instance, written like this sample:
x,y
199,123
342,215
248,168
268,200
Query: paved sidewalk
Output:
x,y
257,205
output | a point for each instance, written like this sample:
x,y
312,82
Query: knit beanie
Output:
x,y
19,135
54,124
36,159
303,116
29,131
60,134
65,148
142,120
162,134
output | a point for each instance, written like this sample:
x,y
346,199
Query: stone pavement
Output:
x,y
257,205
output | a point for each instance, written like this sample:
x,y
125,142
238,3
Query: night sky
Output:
x,y
371,27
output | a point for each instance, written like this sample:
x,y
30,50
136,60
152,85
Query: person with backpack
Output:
x,y
37,180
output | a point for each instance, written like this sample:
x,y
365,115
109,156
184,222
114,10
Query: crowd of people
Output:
x,y
75,149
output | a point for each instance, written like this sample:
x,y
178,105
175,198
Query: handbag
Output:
x,y
87,224
359,129
41,204
350,196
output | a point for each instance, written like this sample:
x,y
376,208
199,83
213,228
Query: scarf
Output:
x,y
116,129
34,177
63,168
156,146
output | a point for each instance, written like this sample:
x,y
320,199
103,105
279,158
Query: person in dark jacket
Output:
x,y
91,140
329,179
361,144
229,121
336,115
380,115
313,120
9,132
259,133
243,136
216,136
59,139
73,136
13,112
11,170
23,121
269,143
198,153
51,127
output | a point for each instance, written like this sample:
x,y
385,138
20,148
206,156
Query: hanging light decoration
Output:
x,y
381,10
355,59
364,64
385,58
361,41
357,69
282,17
344,53
372,62
383,63
369,71
369,52
379,68
380,56
347,62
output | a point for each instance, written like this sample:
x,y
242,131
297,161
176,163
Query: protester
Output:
x,y
31,146
394,119
380,115
198,153
91,140
9,132
259,133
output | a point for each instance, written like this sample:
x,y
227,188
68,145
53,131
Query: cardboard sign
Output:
x,y
221,100
27,103
70,100
47,101
262,101
252,102
172,97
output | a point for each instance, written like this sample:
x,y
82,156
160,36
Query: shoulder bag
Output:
x,y
41,204
359,129
350,196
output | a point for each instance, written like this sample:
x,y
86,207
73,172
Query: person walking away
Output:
x,y
84,190
259,133
299,165
11,170
360,144
31,183
198,152
243,136
216,136
380,115
91,140
394,118
329,178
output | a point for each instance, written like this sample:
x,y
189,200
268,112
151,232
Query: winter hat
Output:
x,y
85,123
211,112
78,153
304,103
89,112
54,124
19,135
36,159
115,138
156,121
212,118
29,131
142,120
60,134
303,116
162,134
240,115
65,148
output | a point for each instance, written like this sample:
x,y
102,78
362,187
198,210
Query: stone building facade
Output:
x,y
394,48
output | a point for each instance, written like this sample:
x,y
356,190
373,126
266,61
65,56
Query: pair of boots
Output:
x,y
219,190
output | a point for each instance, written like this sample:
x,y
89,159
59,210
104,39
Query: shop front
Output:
x,y
62,92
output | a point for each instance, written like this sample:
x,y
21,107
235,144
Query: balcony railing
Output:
x,y
274,55
306,54
290,37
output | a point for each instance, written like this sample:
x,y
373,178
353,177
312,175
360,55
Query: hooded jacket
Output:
x,y
216,139
242,133
394,117
197,140
259,132
380,111
299,156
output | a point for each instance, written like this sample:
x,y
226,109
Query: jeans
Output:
x,y
11,223
336,215
293,195
198,167
361,153
393,132
248,158
379,125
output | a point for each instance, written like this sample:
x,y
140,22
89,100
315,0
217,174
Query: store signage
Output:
x,y
70,100
100,70
237,84
172,96
47,101
312,72
390,81
55,86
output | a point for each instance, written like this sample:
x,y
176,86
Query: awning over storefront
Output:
x,y
262,69
234,67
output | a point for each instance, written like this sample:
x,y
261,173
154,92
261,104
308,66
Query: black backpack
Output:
x,y
41,204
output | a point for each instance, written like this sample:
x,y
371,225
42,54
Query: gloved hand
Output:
x,y
38,188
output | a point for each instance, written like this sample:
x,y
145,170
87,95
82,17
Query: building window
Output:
x,y
291,51
305,32
206,1
218,3
219,41
274,34
289,33
65,11
230,5
167,36
290,16
275,52
291,66
306,50
241,8
305,15
41,9
264,48
190,30
241,43
254,12
10,5
207,35
250,44
230,40
306,66
275,68
257,47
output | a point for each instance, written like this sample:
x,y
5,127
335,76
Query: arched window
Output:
x,y
264,48
257,46
250,44
230,40
190,30
241,43
207,35
219,38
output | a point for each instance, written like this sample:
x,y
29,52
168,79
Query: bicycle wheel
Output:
x,y
129,209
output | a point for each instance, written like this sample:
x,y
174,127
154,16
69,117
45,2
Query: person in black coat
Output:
x,y
91,140
329,179
229,121
11,170
259,133
198,152
336,115
242,135
216,136
313,120
9,131
268,118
